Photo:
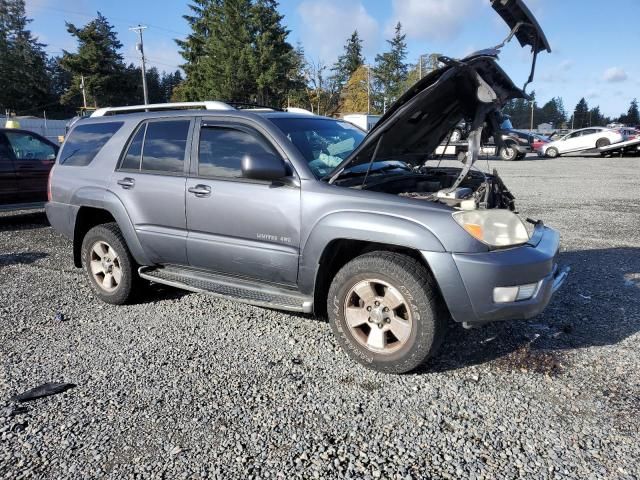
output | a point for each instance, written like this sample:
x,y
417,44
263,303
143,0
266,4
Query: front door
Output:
x,y
33,158
8,179
150,182
238,226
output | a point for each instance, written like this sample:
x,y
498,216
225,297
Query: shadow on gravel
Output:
x,y
23,221
156,292
24,258
598,305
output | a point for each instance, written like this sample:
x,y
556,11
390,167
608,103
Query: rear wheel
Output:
x,y
552,152
603,142
109,264
385,312
508,152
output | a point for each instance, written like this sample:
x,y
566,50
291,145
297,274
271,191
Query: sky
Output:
x,y
595,44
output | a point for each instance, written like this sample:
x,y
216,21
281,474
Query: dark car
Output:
x,y
26,159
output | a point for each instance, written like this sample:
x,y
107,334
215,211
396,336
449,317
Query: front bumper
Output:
x,y
467,280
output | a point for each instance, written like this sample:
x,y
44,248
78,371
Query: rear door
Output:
x,y
570,142
238,226
33,158
8,179
150,182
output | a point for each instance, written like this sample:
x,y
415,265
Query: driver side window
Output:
x,y
28,147
222,149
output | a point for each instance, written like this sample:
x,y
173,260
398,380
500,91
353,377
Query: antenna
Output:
x,y
140,48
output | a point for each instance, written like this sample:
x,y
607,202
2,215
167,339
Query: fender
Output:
x,y
106,200
363,226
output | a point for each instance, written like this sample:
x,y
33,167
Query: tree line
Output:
x,y
236,50
525,113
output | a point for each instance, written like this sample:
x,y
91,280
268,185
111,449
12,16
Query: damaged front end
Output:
x,y
394,156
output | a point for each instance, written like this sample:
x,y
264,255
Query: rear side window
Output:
x,y
221,151
164,147
133,157
85,141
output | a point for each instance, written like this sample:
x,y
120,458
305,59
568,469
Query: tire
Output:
x,y
415,322
603,142
521,156
508,153
107,240
552,152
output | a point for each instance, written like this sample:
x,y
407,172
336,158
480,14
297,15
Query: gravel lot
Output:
x,y
186,386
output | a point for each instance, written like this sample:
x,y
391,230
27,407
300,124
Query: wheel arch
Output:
x,y
99,207
340,237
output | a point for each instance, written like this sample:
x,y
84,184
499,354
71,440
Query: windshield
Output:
x,y
324,143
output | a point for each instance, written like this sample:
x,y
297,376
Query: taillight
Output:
x,y
49,185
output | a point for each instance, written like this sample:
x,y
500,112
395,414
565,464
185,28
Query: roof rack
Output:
x,y
159,107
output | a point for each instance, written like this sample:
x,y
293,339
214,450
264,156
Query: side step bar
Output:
x,y
229,288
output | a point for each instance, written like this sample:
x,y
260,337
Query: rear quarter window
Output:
x,y
85,141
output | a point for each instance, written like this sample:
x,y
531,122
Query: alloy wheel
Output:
x,y
105,266
378,316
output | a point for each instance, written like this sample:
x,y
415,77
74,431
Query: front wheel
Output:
x,y
508,153
552,152
385,312
109,264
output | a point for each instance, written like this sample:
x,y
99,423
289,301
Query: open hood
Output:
x,y
522,23
473,89
419,121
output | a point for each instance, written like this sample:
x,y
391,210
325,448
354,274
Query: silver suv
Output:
x,y
310,214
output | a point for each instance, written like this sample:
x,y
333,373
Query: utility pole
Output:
x,y
140,48
533,104
84,92
368,89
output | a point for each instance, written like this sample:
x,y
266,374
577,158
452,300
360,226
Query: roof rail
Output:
x,y
157,107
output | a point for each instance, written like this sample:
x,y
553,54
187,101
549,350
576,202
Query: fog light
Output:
x,y
514,294
505,294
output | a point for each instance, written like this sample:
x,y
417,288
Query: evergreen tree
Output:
x,y
168,84
551,112
349,61
596,118
580,117
298,92
391,71
24,84
106,78
632,116
274,56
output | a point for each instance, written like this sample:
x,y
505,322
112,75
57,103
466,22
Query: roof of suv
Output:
x,y
199,113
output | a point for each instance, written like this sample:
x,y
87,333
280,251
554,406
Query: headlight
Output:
x,y
497,228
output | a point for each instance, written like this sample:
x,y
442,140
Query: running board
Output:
x,y
230,288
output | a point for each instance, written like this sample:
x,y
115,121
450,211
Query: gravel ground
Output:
x,y
186,386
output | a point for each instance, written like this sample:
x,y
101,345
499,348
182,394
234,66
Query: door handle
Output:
x,y
127,183
200,190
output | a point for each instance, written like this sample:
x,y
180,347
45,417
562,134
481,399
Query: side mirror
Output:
x,y
263,167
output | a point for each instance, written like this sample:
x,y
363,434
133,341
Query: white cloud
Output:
x,y
432,19
326,25
615,74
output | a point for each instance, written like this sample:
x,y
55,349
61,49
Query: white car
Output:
x,y
583,139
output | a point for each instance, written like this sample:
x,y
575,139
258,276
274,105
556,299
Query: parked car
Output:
x,y
629,133
580,140
539,141
307,213
25,161
516,144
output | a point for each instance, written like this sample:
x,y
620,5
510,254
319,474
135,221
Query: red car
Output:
x,y
538,141
25,161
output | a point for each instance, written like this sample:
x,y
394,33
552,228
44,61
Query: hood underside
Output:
x,y
473,89
419,120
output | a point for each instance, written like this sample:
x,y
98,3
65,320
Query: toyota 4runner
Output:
x,y
310,214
